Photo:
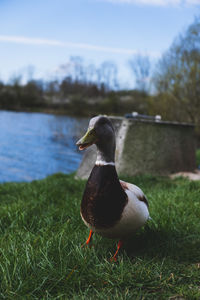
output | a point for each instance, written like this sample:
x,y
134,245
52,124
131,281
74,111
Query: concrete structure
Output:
x,y
148,147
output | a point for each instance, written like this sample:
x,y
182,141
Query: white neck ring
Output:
x,y
104,163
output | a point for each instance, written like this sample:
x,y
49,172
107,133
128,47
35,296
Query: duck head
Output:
x,y
100,132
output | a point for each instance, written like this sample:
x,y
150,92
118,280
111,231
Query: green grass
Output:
x,y
198,157
41,233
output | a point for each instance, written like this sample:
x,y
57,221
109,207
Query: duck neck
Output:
x,y
106,154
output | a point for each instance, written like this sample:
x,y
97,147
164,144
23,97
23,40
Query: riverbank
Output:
x,y
81,100
41,233
51,111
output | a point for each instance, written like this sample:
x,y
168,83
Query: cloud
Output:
x,y
192,2
157,2
29,41
56,43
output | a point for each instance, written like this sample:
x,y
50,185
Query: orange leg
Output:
x,y
119,245
90,237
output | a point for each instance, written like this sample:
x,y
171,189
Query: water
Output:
x,y
34,145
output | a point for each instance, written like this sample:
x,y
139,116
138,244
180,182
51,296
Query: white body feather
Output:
x,y
134,215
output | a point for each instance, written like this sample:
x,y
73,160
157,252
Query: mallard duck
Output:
x,y
110,207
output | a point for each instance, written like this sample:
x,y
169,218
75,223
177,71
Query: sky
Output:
x,y
46,33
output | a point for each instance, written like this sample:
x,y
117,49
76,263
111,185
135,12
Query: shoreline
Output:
x,y
46,111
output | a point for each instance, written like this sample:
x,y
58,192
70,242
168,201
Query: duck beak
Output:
x,y
87,140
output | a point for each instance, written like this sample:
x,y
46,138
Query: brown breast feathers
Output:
x,y
103,199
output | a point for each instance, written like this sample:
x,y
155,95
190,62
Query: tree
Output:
x,y
141,67
107,75
177,79
32,94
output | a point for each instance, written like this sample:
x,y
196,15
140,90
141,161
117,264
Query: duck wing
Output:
x,y
136,190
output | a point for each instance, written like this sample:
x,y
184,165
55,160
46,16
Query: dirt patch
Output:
x,y
190,175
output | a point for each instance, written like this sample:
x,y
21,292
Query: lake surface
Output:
x,y
34,145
